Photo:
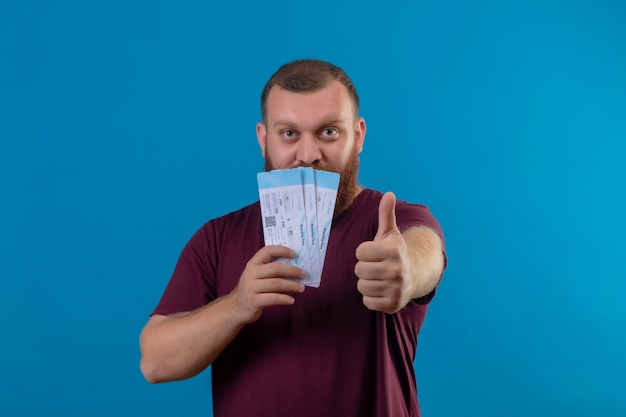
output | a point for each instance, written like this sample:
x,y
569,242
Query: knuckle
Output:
x,y
278,285
360,286
395,271
369,304
358,269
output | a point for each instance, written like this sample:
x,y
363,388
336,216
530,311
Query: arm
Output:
x,y
182,345
426,261
397,267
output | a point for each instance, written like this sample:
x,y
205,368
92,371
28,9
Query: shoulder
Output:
x,y
408,214
231,222
369,199
251,211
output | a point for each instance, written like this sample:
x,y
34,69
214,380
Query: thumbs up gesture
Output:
x,y
383,265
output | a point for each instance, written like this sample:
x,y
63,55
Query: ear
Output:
x,y
261,136
359,133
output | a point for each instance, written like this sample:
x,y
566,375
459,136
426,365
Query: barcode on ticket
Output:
x,y
270,221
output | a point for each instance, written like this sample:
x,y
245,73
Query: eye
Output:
x,y
288,133
329,132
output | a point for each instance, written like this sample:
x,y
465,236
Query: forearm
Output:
x,y
426,261
182,345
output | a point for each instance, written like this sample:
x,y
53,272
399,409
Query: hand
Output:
x,y
383,266
263,284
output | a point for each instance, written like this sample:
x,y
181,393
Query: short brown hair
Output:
x,y
308,75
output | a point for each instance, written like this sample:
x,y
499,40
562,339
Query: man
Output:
x,y
276,349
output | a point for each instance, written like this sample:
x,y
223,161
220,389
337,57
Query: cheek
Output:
x,y
280,153
279,157
342,158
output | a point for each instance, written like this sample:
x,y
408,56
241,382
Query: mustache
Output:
x,y
318,166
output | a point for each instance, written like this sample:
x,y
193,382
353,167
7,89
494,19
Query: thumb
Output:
x,y
387,216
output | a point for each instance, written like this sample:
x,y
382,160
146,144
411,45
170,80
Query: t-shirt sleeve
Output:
x,y
192,284
411,215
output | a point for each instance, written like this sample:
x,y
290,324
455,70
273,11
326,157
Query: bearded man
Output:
x,y
346,348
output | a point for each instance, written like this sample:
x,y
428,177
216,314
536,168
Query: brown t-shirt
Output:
x,y
325,355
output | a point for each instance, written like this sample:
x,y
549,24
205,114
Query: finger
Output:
x,y
370,288
276,285
373,270
387,216
270,253
377,251
274,299
279,270
380,304
260,301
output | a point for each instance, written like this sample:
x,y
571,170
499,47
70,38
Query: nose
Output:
x,y
308,152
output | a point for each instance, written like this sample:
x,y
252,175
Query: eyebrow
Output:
x,y
328,122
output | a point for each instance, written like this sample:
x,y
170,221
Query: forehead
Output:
x,y
332,101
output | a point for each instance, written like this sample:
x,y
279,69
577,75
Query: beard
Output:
x,y
348,186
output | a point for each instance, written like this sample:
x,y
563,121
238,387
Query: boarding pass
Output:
x,y
297,207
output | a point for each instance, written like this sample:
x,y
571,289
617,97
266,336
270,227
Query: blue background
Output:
x,y
125,125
